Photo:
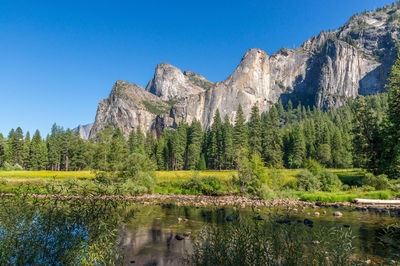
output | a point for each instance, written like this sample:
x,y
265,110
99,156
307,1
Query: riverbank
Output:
x,y
185,184
237,202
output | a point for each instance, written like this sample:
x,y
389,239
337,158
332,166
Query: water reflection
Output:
x,y
60,231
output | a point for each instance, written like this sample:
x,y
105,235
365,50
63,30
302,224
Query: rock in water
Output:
x,y
229,218
308,222
178,237
338,214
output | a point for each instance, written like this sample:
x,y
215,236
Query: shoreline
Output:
x,y
221,201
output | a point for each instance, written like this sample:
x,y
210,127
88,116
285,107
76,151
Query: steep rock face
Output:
x,y
84,130
129,106
169,83
343,74
324,71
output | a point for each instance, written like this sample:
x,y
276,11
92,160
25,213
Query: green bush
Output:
x,y
135,176
330,182
8,167
368,188
313,166
380,182
209,185
307,181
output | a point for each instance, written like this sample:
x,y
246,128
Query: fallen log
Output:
x,y
377,202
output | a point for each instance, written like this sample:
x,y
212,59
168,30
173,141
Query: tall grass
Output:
x,y
347,196
249,242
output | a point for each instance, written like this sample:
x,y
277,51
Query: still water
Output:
x,y
82,231
150,237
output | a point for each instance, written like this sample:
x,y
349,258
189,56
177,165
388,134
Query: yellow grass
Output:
x,y
46,174
162,176
182,175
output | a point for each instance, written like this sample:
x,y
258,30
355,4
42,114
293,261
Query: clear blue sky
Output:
x,y
58,59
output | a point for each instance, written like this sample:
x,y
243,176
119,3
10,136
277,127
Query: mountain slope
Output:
x,y
324,71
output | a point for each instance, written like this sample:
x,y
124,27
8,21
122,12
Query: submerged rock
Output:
x,y
308,222
178,237
229,218
337,214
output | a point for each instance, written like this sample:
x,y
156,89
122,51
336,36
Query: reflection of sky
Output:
x,y
149,237
44,241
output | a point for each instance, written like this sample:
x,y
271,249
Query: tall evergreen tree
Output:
x,y
297,147
255,132
117,152
15,146
2,150
390,162
195,137
215,143
365,136
37,153
271,139
239,133
228,151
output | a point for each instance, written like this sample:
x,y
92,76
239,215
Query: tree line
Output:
x,y
365,133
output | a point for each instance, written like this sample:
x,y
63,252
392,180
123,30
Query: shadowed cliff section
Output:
x,y
324,71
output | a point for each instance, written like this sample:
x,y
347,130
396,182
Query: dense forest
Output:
x,y
364,134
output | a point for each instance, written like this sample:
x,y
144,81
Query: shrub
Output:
x,y
8,167
380,182
209,185
313,166
367,188
307,181
17,167
329,181
135,176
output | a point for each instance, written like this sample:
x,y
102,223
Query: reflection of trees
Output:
x,y
59,231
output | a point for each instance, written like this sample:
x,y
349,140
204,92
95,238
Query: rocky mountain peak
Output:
x,y
169,83
252,74
324,71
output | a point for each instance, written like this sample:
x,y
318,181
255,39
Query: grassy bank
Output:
x,y
185,182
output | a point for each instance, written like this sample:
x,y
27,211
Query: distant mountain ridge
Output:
x,y
324,71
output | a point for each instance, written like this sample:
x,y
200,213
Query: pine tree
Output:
x,y
255,131
271,139
195,137
103,140
390,163
297,147
117,152
178,143
215,143
140,141
15,145
37,153
239,133
228,151
132,141
3,149
365,139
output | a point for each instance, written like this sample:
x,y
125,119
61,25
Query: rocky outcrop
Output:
x,y
169,83
84,130
129,106
324,71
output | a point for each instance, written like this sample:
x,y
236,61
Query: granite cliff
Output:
x,y
324,71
